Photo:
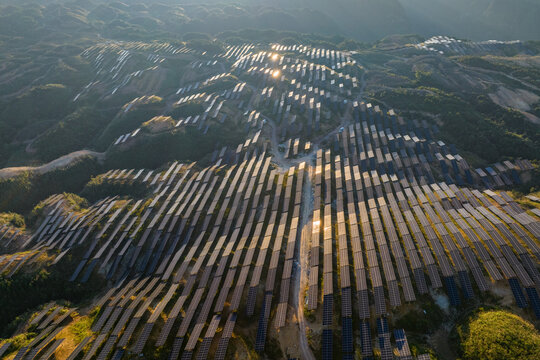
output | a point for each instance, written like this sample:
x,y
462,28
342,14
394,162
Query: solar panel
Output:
x,y
535,300
327,340
4,348
452,291
50,318
101,321
112,320
79,348
204,349
250,308
107,348
365,333
347,335
380,302
221,351
518,293
263,325
466,286
386,348
312,297
177,347
129,331
420,281
402,345
346,305
328,310
382,326
393,292
97,343
141,341
363,301
32,354
281,313
408,291
21,353
186,355
480,279
434,276
530,266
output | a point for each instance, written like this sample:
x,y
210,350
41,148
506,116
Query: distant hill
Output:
x,y
370,20
364,20
475,19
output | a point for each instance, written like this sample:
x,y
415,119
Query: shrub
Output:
x,y
25,291
21,193
496,334
13,219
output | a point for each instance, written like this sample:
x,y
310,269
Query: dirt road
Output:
x,y
300,273
61,162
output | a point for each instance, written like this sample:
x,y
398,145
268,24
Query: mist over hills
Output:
x,y
476,19
370,20
364,20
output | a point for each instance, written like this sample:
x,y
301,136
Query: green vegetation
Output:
x,y
73,133
184,110
12,219
75,202
21,193
25,291
99,188
43,102
497,334
208,46
19,341
535,109
424,320
273,350
37,105
527,73
182,144
218,86
475,125
129,121
158,124
82,328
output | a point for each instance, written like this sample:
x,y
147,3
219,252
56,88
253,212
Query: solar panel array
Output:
x,y
212,244
402,345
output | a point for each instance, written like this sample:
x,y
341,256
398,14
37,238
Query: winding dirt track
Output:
x,y
300,274
61,162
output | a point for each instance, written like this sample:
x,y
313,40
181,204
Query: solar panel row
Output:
x,y
327,343
365,337
289,254
464,278
402,345
208,257
206,306
347,336
534,300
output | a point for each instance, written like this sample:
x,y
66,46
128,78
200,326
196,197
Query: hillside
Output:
x,y
244,181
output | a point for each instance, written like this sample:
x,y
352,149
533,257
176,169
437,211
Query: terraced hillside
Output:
x,y
267,204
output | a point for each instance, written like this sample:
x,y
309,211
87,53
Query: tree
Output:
x,y
496,334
